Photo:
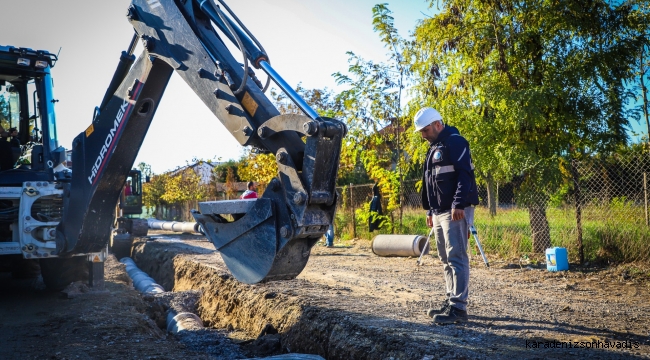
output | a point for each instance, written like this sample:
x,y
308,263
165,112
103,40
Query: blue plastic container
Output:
x,y
557,259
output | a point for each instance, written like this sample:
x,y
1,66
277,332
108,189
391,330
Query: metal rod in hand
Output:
x,y
424,249
472,229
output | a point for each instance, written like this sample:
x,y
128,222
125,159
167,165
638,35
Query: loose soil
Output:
x,y
82,324
351,304
347,304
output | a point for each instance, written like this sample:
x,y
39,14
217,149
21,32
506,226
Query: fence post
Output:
x,y
578,200
354,222
645,195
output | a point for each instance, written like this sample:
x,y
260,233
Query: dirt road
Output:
x,y
36,324
347,304
118,323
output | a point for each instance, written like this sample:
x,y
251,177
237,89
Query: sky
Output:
x,y
306,41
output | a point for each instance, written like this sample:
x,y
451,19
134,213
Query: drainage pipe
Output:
x,y
399,245
185,227
177,322
141,281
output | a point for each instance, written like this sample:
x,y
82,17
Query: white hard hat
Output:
x,y
425,117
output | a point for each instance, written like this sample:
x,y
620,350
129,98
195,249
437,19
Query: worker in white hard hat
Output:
x,y
449,194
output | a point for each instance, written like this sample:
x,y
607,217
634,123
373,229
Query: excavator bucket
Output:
x,y
270,238
256,247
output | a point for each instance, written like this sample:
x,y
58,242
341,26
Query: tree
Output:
x,y
643,61
528,83
145,169
231,189
262,168
220,171
321,100
176,187
371,108
153,191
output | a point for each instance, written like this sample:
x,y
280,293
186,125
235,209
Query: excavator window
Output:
x,y
9,106
136,183
131,199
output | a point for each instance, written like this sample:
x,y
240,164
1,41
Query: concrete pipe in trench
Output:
x,y
184,227
399,245
176,322
141,281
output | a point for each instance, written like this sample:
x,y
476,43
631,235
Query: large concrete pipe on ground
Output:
x,y
177,226
399,245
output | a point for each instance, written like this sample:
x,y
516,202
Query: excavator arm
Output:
x,y
272,236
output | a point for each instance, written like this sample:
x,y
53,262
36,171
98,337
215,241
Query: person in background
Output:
x,y
127,188
329,236
14,142
449,193
251,192
6,157
374,222
13,138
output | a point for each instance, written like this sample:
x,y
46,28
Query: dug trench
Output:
x,y
350,304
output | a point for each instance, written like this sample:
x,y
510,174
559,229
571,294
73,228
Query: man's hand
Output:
x,y
457,214
430,221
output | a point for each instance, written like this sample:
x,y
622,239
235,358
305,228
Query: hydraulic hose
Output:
x,y
241,47
211,11
259,45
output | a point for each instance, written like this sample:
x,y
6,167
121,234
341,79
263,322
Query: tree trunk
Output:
x,y
185,208
491,195
539,228
644,91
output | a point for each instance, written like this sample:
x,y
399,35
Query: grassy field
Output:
x,y
613,233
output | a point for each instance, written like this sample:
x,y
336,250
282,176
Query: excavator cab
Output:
x,y
131,198
27,104
32,169
127,216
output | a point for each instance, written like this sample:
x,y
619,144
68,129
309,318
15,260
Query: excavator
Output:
x,y
65,219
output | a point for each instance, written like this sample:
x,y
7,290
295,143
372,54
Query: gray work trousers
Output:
x,y
451,240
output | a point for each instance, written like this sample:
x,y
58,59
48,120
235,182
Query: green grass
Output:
x,y
615,233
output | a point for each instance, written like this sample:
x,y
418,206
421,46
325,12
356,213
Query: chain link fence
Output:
x,y
599,212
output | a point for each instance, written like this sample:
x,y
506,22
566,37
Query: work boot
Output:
x,y
445,304
452,315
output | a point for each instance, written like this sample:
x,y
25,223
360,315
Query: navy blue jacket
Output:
x,y
448,179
